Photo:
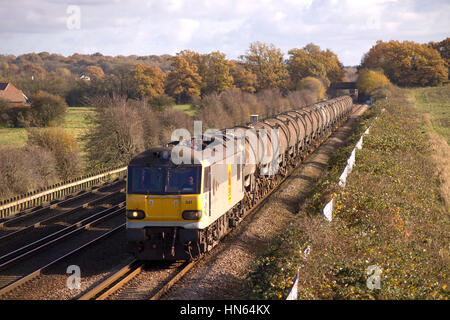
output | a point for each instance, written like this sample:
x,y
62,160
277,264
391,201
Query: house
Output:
x,y
13,95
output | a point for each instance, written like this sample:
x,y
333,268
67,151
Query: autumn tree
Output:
x,y
183,82
121,82
301,65
149,80
266,62
213,68
333,67
63,72
94,72
311,61
407,63
62,145
243,79
443,48
313,85
47,109
215,73
4,70
116,133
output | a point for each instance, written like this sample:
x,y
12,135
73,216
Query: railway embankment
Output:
x,y
389,237
222,273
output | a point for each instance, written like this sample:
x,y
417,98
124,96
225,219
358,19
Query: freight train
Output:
x,y
182,198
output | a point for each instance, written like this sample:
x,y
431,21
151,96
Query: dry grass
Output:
x,y
391,214
441,158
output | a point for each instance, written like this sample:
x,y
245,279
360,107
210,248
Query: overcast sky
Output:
x,y
114,27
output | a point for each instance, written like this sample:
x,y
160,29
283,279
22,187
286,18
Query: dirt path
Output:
x,y
222,273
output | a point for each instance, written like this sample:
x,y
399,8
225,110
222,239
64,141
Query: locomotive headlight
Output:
x,y
135,214
192,214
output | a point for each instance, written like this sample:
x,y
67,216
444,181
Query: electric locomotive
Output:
x,y
176,211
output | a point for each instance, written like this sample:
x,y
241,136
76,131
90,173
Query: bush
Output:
x,y
5,118
314,85
117,133
372,82
407,63
47,109
63,147
162,101
25,169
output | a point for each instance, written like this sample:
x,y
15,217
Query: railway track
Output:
x,y
119,277
17,267
58,208
122,275
23,230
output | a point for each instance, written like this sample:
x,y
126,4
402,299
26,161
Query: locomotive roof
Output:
x,y
159,156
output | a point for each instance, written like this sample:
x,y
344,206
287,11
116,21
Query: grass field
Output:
x,y
75,123
391,215
436,102
186,108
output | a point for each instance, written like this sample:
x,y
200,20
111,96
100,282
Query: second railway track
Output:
x,y
121,279
108,286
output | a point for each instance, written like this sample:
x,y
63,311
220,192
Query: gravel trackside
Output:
x,y
222,273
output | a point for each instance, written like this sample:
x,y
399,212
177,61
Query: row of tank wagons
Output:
x,y
299,132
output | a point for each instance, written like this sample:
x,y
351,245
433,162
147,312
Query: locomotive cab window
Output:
x,y
164,180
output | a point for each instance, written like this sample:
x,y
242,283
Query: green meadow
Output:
x,y
75,123
436,102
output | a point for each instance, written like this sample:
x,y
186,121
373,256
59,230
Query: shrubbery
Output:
x,y
313,85
26,169
62,146
407,63
47,109
373,83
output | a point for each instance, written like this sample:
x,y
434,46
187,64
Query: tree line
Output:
x,y
130,96
410,64
184,78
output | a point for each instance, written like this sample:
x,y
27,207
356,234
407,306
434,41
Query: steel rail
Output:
x,y
111,283
255,208
4,290
22,253
58,215
30,212
24,201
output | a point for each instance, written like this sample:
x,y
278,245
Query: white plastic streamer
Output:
x,y
327,211
359,144
343,177
351,160
293,295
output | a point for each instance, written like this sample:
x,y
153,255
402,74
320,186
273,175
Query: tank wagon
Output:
x,y
178,211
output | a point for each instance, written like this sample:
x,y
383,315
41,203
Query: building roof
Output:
x,y
9,92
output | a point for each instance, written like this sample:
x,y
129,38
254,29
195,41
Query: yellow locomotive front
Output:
x,y
179,211
164,206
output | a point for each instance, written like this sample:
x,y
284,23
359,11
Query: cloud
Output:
x,y
348,27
